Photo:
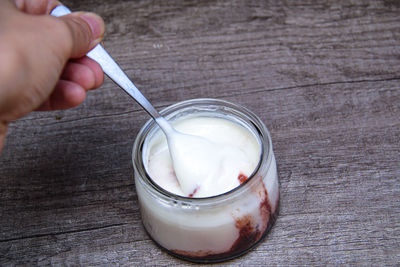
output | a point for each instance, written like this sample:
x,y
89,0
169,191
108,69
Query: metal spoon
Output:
x,y
115,73
190,154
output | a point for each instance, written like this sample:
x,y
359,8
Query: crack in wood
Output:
x,y
63,232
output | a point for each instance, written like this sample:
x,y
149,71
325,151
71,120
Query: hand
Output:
x,y
43,66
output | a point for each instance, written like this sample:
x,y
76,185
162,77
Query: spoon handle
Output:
x,y
113,70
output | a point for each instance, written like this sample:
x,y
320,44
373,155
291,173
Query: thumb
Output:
x,y
85,30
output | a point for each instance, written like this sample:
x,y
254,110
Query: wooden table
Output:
x,y
324,76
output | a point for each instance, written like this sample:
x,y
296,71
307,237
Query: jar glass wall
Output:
x,y
214,228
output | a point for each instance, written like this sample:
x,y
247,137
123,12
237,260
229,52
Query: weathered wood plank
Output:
x,y
323,76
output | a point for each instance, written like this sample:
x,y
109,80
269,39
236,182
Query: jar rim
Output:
x,y
256,123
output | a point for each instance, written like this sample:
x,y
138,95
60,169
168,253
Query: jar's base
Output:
x,y
225,256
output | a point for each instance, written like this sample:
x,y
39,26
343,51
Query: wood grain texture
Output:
x,y
324,76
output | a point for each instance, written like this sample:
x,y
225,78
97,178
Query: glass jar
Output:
x,y
213,228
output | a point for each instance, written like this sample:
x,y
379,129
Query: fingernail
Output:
x,y
19,4
96,24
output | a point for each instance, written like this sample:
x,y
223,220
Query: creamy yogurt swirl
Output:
x,y
209,156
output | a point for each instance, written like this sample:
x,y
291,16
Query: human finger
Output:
x,y
80,74
95,67
83,32
66,94
36,7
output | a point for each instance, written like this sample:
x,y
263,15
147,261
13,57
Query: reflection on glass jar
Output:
x,y
212,228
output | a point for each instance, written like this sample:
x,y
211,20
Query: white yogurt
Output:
x,y
204,158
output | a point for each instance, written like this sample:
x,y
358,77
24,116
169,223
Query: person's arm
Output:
x,y
42,62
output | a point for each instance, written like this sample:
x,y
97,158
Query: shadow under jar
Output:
x,y
215,228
